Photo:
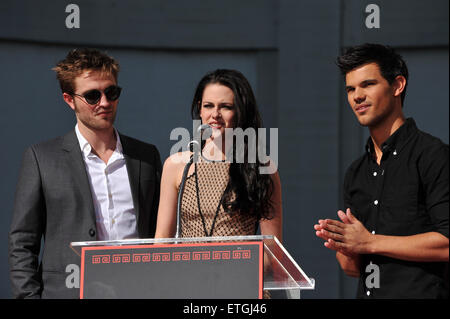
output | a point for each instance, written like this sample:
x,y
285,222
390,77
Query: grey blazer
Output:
x,y
53,201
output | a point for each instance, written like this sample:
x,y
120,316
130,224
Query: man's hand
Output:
x,y
351,238
348,237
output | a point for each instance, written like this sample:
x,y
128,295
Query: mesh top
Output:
x,y
212,178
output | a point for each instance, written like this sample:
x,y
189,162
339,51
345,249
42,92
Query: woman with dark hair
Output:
x,y
222,196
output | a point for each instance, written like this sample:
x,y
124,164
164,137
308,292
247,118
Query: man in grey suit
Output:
x,y
91,184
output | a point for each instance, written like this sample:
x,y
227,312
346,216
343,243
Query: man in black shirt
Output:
x,y
394,233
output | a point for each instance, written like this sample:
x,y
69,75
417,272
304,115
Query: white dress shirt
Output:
x,y
111,192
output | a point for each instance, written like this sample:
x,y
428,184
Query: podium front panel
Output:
x,y
184,271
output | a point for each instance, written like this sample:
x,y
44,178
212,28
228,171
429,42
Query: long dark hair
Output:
x,y
252,190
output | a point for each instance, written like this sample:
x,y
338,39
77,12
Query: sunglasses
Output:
x,y
92,97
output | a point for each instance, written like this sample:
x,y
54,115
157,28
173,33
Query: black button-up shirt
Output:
x,y
407,194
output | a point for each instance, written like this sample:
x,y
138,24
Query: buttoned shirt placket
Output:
x,y
378,173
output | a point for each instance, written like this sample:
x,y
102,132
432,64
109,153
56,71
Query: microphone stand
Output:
x,y
180,195
196,149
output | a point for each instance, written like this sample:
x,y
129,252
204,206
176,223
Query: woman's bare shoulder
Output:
x,y
177,160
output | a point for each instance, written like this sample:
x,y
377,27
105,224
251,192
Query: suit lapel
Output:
x,y
134,172
77,167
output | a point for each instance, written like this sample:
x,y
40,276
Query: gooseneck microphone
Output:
x,y
195,146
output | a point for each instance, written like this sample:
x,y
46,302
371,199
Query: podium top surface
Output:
x,y
76,246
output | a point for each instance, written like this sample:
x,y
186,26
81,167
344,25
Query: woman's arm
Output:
x,y
167,219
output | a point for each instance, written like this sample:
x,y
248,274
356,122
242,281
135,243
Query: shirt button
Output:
x,y
373,232
374,173
92,232
376,202
395,152
368,293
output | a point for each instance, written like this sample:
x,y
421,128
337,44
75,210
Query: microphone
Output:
x,y
207,129
196,148
194,145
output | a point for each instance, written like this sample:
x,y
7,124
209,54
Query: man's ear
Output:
x,y
399,85
69,100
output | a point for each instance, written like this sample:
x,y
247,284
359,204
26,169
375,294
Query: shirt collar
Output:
x,y
397,140
86,148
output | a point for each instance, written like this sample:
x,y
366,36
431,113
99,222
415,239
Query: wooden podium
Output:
x,y
247,267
